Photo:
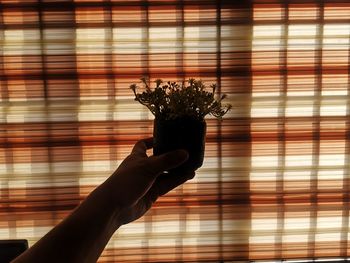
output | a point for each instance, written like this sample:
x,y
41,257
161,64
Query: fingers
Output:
x,y
142,146
168,161
167,182
162,162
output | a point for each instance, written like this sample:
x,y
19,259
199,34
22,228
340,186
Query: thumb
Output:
x,y
169,160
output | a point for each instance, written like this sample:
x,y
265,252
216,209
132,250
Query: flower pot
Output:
x,y
181,133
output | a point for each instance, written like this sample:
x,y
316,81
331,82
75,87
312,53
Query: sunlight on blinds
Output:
x,y
299,176
69,117
275,181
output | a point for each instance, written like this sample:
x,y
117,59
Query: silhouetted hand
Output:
x,y
140,180
125,196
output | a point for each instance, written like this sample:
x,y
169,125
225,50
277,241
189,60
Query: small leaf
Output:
x,y
173,100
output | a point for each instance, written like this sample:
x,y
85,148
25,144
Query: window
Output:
x,y
275,182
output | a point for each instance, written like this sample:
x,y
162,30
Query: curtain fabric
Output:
x,y
275,179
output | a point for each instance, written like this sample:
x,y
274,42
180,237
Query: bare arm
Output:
x,y
124,197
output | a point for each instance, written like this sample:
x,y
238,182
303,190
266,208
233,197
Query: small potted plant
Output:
x,y
179,111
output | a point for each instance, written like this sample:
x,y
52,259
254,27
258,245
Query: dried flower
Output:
x,y
172,100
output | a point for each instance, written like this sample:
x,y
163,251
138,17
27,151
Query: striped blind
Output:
x,y
274,184
299,177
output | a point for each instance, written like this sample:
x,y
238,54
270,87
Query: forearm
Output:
x,y
122,198
81,237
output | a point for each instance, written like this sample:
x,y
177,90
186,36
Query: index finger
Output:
x,y
142,146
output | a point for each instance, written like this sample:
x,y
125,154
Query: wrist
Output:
x,y
105,207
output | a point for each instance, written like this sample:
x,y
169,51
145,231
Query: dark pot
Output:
x,y
182,133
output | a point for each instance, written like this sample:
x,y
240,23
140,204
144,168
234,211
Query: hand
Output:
x,y
124,197
140,180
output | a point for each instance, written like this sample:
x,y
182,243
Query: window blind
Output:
x,y
274,184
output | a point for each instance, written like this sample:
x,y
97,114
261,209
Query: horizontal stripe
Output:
x,y
274,184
